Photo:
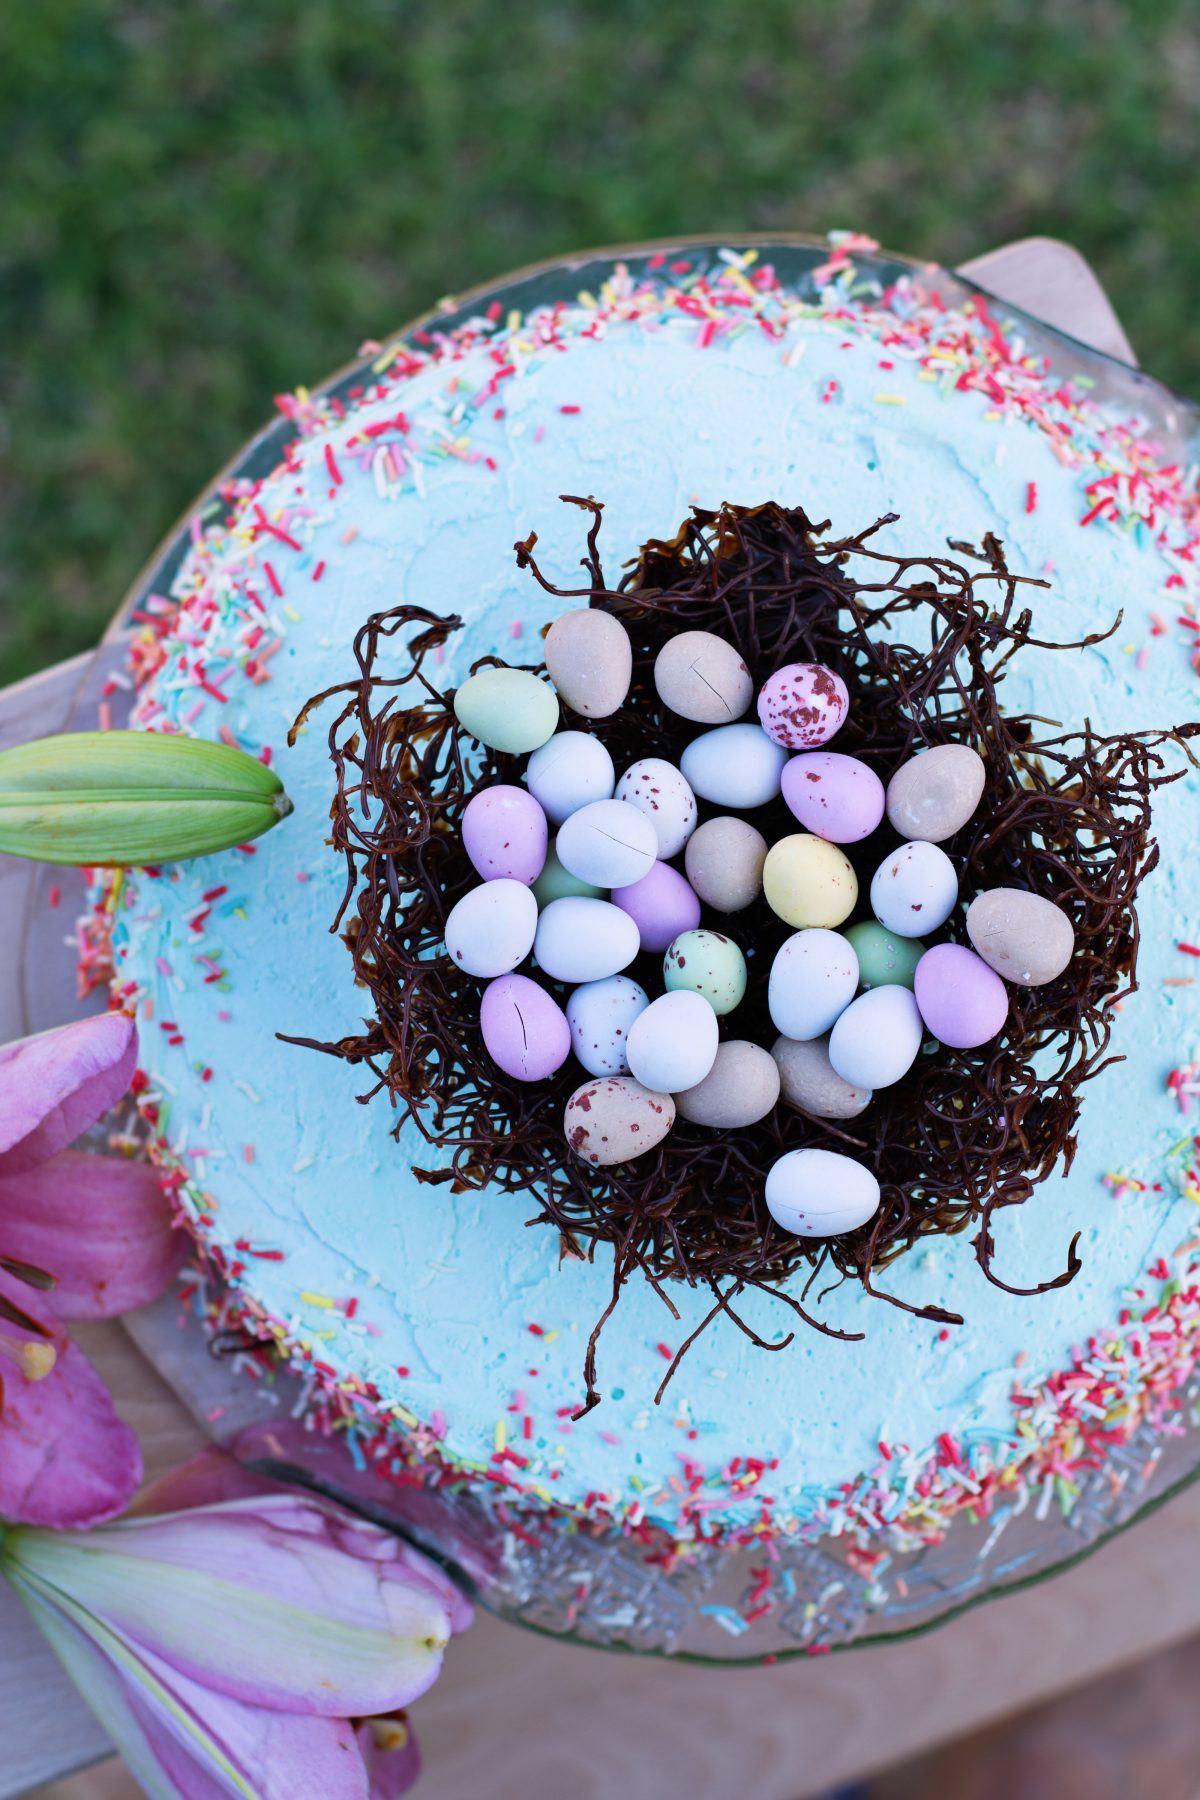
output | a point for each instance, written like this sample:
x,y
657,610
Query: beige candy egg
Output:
x,y
612,1119
808,1079
1027,939
741,1087
724,863
590,661
809,882
933,795
701,677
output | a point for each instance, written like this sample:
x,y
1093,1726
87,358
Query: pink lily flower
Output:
x,y
245,1642
81,1237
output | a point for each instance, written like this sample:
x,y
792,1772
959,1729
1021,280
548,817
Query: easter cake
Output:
x,y
869,933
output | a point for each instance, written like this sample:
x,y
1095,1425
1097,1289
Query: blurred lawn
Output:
x,y
204,202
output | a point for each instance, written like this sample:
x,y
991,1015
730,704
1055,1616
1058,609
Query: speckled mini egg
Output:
x,y
724,862
836,797
673,1044
741,1087
802,705
504,833
507,709
884,959
809,882
556,883
658,789
934,794
1022,936
600,1014
491,929
809,1080
590,661
962,1001
701,677
735,765
524,1029
915,890
876,1040
820,1193
613,1119
581,940
607,843
572,770
661,905
813,980
709,964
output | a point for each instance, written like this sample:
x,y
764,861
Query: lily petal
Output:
x,y
101,1224
55,1085
66,1459
392,1756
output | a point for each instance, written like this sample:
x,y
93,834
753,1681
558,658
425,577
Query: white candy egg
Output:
x,y
580,939
673,1044
569,771
818,1193
607,843
600,1014
735,765
491,929
813,980
877,1038
658,789
915,890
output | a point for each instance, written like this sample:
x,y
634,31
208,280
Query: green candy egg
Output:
x,y
709,964
507,709
557,883
884,960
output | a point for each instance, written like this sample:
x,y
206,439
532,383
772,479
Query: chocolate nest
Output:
x,y
967,1133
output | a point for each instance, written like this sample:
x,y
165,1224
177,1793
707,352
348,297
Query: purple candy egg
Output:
x,y
962,1001
802,705
526,1032
661,905
835,797
504,833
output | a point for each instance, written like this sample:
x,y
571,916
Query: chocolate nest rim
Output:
x,y
967,1132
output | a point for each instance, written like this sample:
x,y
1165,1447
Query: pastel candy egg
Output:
x,y
673,1044
661,905
590,661
701,677
525,1031
724,862
599,1015
835,796
580,939
809,1080
504,833
802,705
709,964
572,770
884,960
1022,936
507,709
876,1040
658,789
809,882
556,883
819,1193
962,1001
933,795
915,890
492,927
612,1119
607,843
736,765
741,1087
813,979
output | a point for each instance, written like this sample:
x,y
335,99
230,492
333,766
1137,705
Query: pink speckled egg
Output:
x,y
661,905
962,1001
836,797
504,833
802,705
526,1032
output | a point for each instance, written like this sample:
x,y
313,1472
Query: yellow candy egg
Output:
x,y
809,882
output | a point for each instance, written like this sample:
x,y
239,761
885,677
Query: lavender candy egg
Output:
x,y
491,929
600,1014
962,1001
504,833
658,789
571,769
661,905
525,1031
802,705
835,797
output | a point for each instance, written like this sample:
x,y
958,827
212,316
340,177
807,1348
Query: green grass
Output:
x,y
206,201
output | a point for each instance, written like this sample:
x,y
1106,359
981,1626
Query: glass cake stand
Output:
x,y
592,1585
